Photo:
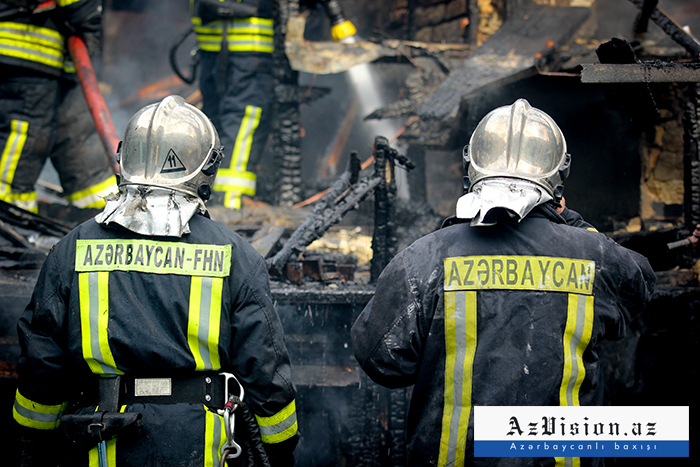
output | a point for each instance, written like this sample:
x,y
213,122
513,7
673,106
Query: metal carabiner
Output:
x,y
241,393
231,403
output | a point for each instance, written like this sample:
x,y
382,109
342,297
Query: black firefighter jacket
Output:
x,y
490,315
111,302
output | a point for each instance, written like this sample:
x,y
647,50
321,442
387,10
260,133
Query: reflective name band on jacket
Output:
x,y
280,426
34,415
153,257
540,273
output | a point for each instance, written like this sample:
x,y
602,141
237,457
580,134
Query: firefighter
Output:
x,y
236,41
43,113
145,319
471,302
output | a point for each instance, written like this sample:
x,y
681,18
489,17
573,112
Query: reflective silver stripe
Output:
x,y
234,182
458,376
216,435
36,416
94,313
32,55
16,32
204,312
11,153
279,427
575,340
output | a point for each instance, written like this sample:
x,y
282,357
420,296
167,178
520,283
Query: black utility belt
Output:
x,y
207,388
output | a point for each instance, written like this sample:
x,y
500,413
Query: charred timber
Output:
x,y
691,159
329,210
14,216
286,124
384,239
293,94
644,72
670,27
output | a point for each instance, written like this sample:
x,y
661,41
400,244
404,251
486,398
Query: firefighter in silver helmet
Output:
x,y
151,329
496,300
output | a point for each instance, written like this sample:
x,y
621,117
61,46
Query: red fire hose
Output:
x,y
94,98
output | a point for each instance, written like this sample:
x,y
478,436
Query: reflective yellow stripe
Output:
x,y
460,346
32,33
280,426
94,319
110,446
538,273
252,25
153,257
26,201
66,2
567,461
244,35
244,138
93,197
239,47
577,335
232,200
214,438
11,154
204,321
31,42
236,179
34,415
240,182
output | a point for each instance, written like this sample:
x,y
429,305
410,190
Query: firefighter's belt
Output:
x,y
200,388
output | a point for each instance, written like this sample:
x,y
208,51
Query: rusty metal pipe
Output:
x,y
94,98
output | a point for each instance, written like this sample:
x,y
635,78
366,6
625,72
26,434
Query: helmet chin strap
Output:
x,y
518,197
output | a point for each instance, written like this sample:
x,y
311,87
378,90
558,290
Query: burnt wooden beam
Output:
x,y
691,159
14,238
343,197
670,27
16,216
647,72
265,239
510,54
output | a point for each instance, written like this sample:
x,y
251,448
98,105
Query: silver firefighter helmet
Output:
x,y
170,144
516,159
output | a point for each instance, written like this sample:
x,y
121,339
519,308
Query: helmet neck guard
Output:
x,y
151,211
492,196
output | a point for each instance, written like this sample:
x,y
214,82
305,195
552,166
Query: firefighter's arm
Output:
x,y
84,19
573,218
386,336
632,281
261,361
40,398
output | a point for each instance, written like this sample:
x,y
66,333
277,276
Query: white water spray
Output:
x,y
364,81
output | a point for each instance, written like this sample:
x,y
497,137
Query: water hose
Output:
x,y
95,100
